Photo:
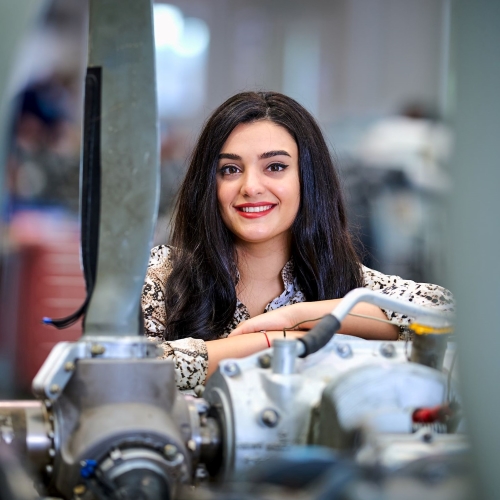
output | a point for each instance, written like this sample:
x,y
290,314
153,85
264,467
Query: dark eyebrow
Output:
x,y
229,156
270,154
263,156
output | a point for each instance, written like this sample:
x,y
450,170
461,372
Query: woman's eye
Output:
x,y
228,170
277,167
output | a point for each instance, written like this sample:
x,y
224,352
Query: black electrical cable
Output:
x,y
299,323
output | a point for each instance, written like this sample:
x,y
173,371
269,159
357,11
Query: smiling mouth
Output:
x,y
262,208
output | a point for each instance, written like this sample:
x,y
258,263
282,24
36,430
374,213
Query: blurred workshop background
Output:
x,y
378,75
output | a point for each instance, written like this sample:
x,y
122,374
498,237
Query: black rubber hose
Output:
x,y
320,335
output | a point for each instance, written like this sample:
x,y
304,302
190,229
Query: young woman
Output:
x,y
260,224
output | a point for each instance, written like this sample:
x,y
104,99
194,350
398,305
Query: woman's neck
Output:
x,y
262,260
260,266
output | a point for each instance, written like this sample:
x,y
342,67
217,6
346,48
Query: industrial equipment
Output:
x,y
109,422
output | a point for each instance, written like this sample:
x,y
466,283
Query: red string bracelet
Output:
x,y
267,338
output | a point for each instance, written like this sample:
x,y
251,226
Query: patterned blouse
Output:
x,y
190,355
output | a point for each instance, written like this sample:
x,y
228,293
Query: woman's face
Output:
x,y
258,187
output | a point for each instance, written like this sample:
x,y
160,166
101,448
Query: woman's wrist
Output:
x,y
268,342
298,314
309,313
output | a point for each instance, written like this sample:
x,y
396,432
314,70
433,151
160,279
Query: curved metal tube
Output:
x,y
426,315
320,335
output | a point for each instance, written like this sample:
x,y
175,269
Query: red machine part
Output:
x,y
442,413
44,279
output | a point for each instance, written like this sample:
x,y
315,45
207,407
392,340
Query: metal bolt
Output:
x,y
270,418
69,366
231,369
344,350
199,390
427,437
201,473
191,444
387,350
97,349
49,469
54,389
48,403
51,434
152,351
265,361
79,490
170,451
52,453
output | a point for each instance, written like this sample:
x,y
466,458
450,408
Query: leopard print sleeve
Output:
x,y
423,294
153,292
189,355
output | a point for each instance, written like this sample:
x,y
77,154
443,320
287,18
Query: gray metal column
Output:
x,y
475,241
121,42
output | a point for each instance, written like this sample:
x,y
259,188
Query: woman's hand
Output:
x,y
284,317
309,312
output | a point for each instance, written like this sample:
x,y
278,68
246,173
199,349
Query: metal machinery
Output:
x,y
111,424
109,421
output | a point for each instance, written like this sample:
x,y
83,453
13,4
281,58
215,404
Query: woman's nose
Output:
x,y
252,183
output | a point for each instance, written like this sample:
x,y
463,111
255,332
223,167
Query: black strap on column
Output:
x,y
90,190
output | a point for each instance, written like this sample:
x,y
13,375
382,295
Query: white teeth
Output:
x,y
256,209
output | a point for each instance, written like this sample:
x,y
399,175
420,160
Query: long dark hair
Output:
x,y
200,293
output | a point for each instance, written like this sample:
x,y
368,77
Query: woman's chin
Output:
x,y
261,238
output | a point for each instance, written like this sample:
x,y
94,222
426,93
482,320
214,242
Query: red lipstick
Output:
x,y
254,210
